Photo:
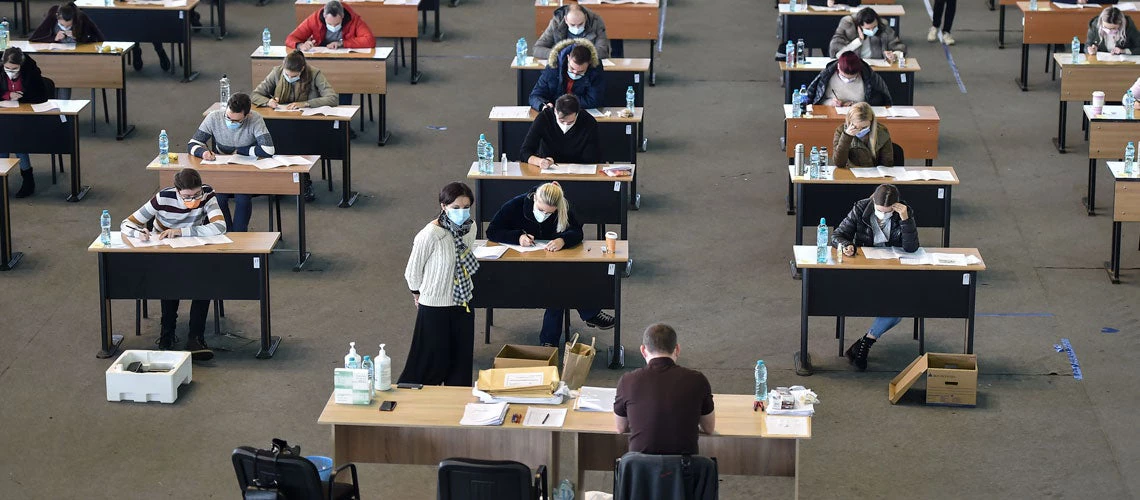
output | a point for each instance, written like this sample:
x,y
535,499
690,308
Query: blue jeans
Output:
x,y
881,325
243,209
25,160
552,324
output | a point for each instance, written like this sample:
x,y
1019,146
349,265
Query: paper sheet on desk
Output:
x,y
824,8
878,63
46,106
538,245
486,252
571,169
941,259
1076,6
41,47
326,50
882,253
9,104
544,417
596,399
484,414
343,112
607,63
1126,6
893,111
901,174
598,113
782,425
1107,57
504,112
261,163
116,241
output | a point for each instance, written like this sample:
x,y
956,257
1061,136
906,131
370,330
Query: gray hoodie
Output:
x,y
557,31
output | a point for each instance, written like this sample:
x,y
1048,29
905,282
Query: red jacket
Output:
x,y
356,34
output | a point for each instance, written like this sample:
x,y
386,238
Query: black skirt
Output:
x,y
443,344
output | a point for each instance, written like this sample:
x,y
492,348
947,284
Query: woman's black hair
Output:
x,y
885,195
453,191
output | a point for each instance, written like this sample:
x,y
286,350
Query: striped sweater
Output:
x,y
168,211
250,139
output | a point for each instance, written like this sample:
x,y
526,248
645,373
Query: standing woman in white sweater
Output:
x,y
439,275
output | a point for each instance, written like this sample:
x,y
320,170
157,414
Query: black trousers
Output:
x,y
198,311
443,344
950,6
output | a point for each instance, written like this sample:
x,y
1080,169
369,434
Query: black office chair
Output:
x,y
290,476
900,158
665,477
472,479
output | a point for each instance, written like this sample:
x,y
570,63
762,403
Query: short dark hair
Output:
x,y
334,8
580,54
187,178
67,11
13,55
295,61
867,15
659,338
885,195
240,103
454,191
567,104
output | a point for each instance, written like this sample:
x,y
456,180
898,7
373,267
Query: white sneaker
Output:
x,y
932,35
947,38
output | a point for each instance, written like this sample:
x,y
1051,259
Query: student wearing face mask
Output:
x,y
573,21
236,129
187,209
573,68
66,24
544,215
861,141
562,133
334,26
879,221
846,81
439,274
780,56
1112,32
868,35
22,82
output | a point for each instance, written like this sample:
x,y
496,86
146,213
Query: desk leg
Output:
x,y
796,478
269,343
415,61
652,58
1059,141
348,196
188,73
383,134
1023,82
802,358
791,199
946,218
78,190
110,341
634,198
969,314
8,260
221,19
623,197
122,126
302,252
1112,267
1001,27
799,210
617,352
1090,196
438,34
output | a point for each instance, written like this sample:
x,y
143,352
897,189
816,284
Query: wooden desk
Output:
x,y
246,179
8,259
584,273
147,23
1125,208
832,198
840,290
385,20
327,136
1109,134
622,74
816,27
899,80
1051,25
1079,80
623,22
424,429
89,66
352,73
50,132
595,199
1001,18
618,136
233,271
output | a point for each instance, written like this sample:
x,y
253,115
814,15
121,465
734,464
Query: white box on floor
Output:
x,y
161,386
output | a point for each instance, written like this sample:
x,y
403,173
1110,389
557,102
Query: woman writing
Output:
x,y
861,141
22,82
439,274
1112,32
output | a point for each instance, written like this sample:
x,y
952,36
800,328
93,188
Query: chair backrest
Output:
x,y
665,477
471,479
900,158
49,88
292,476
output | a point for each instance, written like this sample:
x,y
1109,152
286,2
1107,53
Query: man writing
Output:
x,y
573,68
663,406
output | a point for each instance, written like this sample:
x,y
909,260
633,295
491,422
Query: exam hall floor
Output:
x,y
711,244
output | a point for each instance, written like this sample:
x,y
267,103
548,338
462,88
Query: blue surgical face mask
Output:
x,y
576,30
232,126
62,27
458,216
292,79
863,133
573,76
871,32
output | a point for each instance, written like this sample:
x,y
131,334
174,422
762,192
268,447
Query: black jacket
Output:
x,y
578,145
875,91
35,89
1131,42
666,477
517,216
82,27
856,228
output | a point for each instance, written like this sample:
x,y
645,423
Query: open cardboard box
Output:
x,y
951,379
525,356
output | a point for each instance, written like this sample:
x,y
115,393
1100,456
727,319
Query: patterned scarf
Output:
x,y
465,262
288,93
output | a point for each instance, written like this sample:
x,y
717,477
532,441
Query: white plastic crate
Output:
x,y
145,387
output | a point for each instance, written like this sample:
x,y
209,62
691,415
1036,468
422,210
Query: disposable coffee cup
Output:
x,y
611,242
1098,102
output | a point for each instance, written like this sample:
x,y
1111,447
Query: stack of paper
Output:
x,y
510,113
571,168
902,174
180,242
544,417
882,253
595,399
484,414
553,399
262,163
783,425
941,259
1077,5
824,8
343,112
618,169
491,253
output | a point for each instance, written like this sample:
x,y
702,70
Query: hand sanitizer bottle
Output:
x,y
383,371
352,360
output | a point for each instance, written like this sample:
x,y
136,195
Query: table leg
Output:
x,y
1023,82
930,162
221,19
802,358
8,259
1113,264
188,73
302,253
799,211
652,58
946,218
415,61
617,352
438,34
348,196
623,196
78,190
1001,27
1090,196
840,331
27,24
969,313
383,134
269,343
110,341
1059,141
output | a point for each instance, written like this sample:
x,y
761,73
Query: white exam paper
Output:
x,y
544,417
781,425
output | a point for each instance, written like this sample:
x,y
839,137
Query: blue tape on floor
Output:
x,y
1109,330
1015,315
946,50
1067,348
661,26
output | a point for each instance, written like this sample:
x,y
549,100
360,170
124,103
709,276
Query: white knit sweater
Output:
x,y
431,267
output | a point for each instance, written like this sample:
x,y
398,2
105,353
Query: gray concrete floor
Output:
x,y
711,244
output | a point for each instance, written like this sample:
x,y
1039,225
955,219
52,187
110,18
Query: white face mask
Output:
x,y
845,79
576,30
883,215
334,29
565,128
540,216
12,75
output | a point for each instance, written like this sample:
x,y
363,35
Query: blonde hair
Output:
x,y
862,111
1112,15
551,194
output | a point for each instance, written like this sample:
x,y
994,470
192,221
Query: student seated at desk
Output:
x,y
23,82
573,68
879,221
439,275
861,141
846,81
866,34
573,21
66,24
334,26
564,133
544,214
1112,32
187,209
233,130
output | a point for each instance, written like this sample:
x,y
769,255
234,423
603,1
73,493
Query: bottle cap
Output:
x,y
822,221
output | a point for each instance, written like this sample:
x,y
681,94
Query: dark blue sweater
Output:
x,y
517,216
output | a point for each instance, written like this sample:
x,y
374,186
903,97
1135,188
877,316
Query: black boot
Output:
x,y
310,195
857,353
163,60
29,185
166,339
136,58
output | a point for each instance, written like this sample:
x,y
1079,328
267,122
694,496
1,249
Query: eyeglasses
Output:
x,y
196,196
579,73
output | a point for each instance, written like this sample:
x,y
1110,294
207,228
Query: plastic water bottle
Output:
x,y
520,52
481,153
822,247
796,104
224,89
368,365
565,491
761,381
1076,47
383,371
630,98
1032,4
1129,105
823,160
105,228
163,148
489,157
791,5
1129,157
838,253
813,170
4,34
803,99
801,52
790,54
266,40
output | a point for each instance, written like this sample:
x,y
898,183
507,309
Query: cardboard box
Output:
x,y
951,379
161,386
351,386
525,356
